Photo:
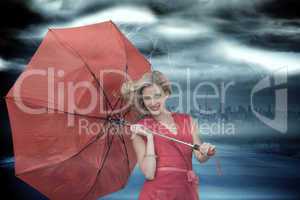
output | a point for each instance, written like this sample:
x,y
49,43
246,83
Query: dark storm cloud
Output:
x,y
165,7
263,33
15,16
286,9
268,24
164,28
159,7
273,41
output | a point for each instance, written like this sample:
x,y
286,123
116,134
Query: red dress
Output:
x,y
174,177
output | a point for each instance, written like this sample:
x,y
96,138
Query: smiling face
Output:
x,y
154,99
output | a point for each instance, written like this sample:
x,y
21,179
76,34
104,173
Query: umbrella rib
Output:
x,y
107,152
109,144
61,111
124,143
106,156
67,47
121,136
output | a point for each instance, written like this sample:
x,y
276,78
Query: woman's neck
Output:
x,y
163,115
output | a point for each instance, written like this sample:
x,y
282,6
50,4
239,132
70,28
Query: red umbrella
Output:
x,y
65,145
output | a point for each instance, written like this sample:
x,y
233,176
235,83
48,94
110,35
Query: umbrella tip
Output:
x,y
111,22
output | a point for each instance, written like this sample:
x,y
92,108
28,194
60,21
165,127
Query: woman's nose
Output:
x,y
155,101
152,102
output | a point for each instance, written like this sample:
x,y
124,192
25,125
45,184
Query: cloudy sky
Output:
x,y
216,40
220,38
204,40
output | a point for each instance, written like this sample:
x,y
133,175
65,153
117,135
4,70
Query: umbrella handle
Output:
x,y
196,147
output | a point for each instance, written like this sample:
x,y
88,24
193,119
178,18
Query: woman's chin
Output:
x,y
155,112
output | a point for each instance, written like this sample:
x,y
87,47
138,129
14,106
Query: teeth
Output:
x,y
154,108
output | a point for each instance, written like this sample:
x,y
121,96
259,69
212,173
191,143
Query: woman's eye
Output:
x,y
157,95
147,98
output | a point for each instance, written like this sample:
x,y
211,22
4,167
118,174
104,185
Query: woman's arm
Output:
x,y
196,140
145,155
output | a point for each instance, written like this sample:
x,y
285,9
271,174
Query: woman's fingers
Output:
x,y
139,129
204,148
207,149
211,151
135,128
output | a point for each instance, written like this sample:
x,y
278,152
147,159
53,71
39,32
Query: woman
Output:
x,y
166,165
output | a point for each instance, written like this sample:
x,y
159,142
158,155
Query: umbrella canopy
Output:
x,y
59,111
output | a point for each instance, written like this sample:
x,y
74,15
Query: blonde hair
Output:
x,y
134,89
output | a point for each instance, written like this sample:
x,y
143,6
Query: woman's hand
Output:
x,y
207,149
141,130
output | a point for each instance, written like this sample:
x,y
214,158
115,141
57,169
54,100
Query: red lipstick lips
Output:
x,y
155,107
